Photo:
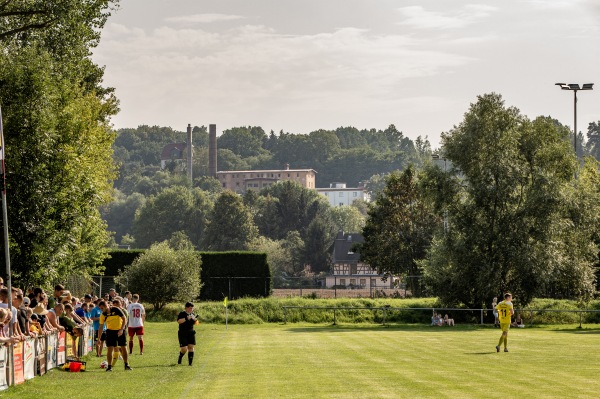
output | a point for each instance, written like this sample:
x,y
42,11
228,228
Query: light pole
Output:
x,y
575,87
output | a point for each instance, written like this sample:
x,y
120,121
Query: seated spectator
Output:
x,y
448,321
518,321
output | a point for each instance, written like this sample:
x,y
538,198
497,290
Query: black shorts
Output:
x,y
102,337
186,338
113,338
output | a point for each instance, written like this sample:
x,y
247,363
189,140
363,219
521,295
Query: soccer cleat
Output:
x,y
127,367
497,349
109,368
141,353
505,349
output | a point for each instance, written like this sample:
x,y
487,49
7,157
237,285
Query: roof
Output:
x,y
168,151
342,248
267,171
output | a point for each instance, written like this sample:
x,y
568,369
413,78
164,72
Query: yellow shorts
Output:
x,y
505,327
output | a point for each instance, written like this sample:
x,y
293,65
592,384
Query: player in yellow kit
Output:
x,y
505,312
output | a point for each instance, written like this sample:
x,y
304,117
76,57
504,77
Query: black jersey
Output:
x,y
188,324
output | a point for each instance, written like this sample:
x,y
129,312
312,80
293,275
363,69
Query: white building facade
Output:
x,y
338,194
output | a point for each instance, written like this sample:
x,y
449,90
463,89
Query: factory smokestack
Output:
x,y
190,152
212,151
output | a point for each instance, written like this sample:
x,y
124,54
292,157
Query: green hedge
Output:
x,y
234,275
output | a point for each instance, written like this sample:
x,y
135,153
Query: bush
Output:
x,y
162,275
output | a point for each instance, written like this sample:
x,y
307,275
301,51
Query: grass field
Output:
x,y
349,361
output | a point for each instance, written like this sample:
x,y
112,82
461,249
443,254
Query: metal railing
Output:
x,y
482,313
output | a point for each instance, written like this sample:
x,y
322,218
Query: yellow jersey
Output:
x,y
504,311
112,318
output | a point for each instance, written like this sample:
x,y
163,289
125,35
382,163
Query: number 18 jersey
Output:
x,y
136,311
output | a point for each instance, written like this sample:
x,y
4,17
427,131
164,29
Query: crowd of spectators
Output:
x,y
37,313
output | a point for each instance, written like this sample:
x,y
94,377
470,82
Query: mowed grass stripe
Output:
x,y
347,361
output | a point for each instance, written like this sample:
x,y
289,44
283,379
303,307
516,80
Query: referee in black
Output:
x,y
187,336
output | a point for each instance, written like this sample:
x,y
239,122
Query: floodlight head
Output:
x,y
588,86
574,86
435,156
560,84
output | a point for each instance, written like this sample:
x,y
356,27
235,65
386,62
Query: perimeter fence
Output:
x,y
388,314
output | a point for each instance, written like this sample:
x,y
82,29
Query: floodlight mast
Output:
x,y
574,87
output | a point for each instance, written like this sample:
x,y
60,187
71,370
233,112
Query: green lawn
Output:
x,y
350,361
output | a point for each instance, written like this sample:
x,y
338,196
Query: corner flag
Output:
x,y
225,302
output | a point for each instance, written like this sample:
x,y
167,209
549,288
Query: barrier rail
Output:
x,y
36,356
386,309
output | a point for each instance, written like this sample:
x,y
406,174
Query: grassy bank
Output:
x,y
271,310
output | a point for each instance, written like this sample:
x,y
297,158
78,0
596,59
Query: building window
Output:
x,y
373,282
278,174
341,204
237,184
341,194
354,194
352,281
363,282
297,174
342,281
224,185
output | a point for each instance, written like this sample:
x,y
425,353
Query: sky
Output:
x,y
299,66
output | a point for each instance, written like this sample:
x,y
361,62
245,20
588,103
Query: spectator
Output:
x,y
22,318
12,314
58,291
126,299
4,320
518,321
448,321
54,317
40,311
98,338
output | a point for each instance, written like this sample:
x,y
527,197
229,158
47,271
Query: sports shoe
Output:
x,y
505,349
141,353
127,367
109,368
497,349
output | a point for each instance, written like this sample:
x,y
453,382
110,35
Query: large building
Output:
x,y
241,181
338,194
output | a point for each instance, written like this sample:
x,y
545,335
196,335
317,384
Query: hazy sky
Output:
x,y
304,65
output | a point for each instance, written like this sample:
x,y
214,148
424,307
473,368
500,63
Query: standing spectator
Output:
x,y
99,339
127,298
22,317
12,313
40,311
53,317
115,321
58,291
187,336
137,316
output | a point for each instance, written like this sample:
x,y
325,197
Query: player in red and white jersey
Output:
x,y
137,315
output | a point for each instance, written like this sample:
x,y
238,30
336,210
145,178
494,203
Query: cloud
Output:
x,y
419,17
204,18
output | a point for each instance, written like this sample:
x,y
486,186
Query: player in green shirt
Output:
x,y
505,312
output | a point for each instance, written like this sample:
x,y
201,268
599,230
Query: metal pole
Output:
x,y
481,316
575,123
6,246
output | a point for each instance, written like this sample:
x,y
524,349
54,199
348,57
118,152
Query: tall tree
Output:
x,y
173,209
593,140
503,230
399,228
230,225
